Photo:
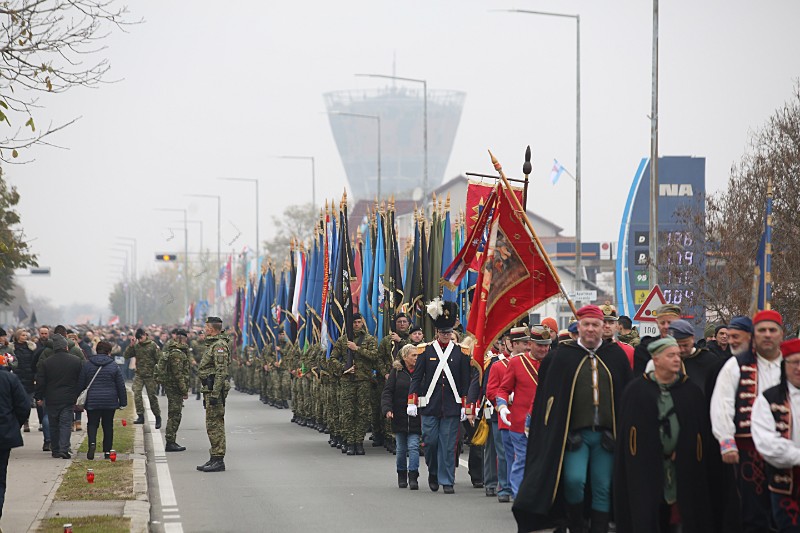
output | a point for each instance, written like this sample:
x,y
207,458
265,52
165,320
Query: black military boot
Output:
x,y
351,449
197,397
285,404
433,482
202,466
139,420
599,522
344,447
360,448
575,521
217,465
402,479
174,447
413,479
377,440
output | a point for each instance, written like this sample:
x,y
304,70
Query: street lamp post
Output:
x,y
424,119
371,117
185,252
255,181
126,276
653,269
134,274
578,246
313,174
219,224
201,230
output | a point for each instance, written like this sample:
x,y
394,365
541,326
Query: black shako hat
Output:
x,y
444,314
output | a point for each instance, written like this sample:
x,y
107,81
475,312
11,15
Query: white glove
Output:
x,y
411,410
463,414
504,412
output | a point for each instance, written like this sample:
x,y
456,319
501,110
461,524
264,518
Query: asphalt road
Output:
x,y
281,477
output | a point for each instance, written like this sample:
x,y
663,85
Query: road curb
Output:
x,y
138,509
45,509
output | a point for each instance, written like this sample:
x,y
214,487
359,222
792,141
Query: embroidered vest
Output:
x,y
780,481
746,393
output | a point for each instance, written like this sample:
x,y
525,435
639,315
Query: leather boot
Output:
x,y
575,521
201,467
599,522
413,479
351,449
433,482
360,448
158,422
402,479
139,420
174,447
217,465
90,452
285,404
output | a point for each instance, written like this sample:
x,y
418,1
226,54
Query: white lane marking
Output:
x,y
165,488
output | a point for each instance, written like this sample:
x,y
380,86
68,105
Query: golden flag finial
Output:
x,y
447,203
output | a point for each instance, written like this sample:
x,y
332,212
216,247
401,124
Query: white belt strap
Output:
x,y
441,367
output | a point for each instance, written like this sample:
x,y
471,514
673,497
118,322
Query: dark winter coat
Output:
x,y
108,389
395,399
14,410
26,369
57,379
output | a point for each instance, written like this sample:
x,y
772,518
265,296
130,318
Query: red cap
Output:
x,y
590,311
768,315
790,347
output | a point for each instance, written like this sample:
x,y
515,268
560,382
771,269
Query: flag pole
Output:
x,y
526,170
539,245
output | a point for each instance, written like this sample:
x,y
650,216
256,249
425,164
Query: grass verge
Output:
x,y
112,481
123,435
87,524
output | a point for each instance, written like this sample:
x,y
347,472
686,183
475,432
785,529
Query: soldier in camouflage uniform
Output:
x,y
355,360
196,352
173,372
388,350
213,372
627,333
283,353
146,353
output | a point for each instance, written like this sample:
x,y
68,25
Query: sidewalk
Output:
x,y
34,477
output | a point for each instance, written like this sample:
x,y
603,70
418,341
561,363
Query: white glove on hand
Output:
x,y
463,414
411,410
504,412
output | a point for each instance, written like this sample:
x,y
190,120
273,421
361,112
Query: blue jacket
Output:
x,y
15,407
442,402
108,389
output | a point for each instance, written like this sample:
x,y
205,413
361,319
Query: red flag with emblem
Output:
x,y
513,278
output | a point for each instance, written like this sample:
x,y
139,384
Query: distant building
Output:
x,y
402,148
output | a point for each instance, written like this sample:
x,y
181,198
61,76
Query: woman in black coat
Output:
x,y
106,395
406,429
24,351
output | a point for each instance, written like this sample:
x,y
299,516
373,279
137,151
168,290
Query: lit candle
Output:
x,y
112,455
67,528
90,475
124,422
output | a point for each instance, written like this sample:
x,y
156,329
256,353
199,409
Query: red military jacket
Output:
x,y
521,378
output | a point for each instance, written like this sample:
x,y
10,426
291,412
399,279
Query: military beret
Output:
x,y
625,322
668,309
140,332
398,316
175,331
280,330
357,316
213,320
180,332
681,329
790,347
768,315
657,346
742,323
414,328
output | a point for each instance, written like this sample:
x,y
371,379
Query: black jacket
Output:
x,y
395,399
57,379
26,364
108,389
442,402
14,410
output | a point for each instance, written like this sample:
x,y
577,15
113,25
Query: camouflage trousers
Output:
x,y
354,409
139,383
215,424
329,396
319,408
280,381
174,411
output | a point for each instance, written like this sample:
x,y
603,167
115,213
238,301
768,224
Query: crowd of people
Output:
x,y
579,428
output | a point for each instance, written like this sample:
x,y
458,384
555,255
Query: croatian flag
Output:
x,y
556,171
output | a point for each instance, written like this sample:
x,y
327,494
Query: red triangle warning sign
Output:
x,y
654,300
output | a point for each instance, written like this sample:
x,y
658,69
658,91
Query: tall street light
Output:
x,y
201,230
255,182
219,223
185,251
578,246
127,285
130,241
370,117
424,119
313,174
654,156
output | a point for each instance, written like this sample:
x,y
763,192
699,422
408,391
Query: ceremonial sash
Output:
x,y
441,367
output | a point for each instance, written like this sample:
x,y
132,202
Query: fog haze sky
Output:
x,y
209,89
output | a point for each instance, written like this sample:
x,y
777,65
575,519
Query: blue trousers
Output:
x,y
503,486
407,443
440,436
516,444
600,464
